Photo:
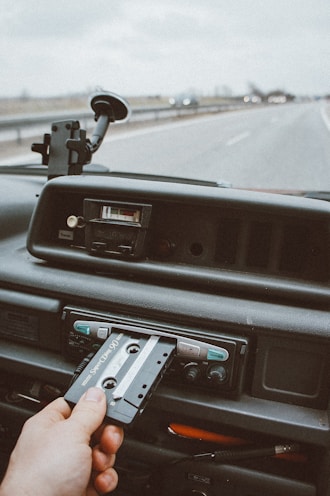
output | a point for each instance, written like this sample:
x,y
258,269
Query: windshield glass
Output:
x,y
233,92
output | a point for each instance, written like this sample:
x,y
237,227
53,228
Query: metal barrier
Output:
x,y
24,126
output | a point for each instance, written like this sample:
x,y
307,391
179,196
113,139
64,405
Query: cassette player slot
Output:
x,y
185,347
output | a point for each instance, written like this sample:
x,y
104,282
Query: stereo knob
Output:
x,y
191,372
217,374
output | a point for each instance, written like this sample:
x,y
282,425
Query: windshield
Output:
x,y
232,92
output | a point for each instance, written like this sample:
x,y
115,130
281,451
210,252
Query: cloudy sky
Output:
x,y
149,47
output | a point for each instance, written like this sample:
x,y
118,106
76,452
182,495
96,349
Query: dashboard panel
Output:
x,y
246,271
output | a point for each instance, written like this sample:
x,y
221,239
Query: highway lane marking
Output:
x,y
238,138
161,127
326,117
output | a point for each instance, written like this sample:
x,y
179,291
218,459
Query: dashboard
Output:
x,y
244,271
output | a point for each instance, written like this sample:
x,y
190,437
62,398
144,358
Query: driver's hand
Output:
x,y
65,453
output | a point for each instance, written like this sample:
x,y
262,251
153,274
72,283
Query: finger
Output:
x,y
102,461
90,410
106,481
111,438
56,411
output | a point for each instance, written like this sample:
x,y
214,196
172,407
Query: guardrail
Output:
x,y
23,126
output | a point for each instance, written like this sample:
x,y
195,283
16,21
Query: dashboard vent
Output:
x,y
278,247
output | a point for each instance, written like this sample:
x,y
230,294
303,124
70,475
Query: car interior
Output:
x,y
211,302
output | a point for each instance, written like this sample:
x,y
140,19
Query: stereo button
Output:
x,y
103,333
188,349
220,354
82,328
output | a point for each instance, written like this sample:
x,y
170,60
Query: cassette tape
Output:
x,y
128,367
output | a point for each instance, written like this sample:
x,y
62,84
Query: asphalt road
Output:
x,y
279,146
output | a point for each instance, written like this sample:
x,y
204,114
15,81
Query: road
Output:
x,y
279,146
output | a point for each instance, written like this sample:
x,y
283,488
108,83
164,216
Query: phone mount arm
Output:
x,y
68,149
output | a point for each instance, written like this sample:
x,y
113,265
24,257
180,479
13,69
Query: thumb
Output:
x,y
90,410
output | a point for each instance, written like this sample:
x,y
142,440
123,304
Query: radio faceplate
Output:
x,y
214,363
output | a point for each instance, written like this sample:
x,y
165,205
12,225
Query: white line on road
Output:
x,y
238,138
326,117
161,127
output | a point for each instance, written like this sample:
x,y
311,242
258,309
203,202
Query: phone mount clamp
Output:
x,y
67,149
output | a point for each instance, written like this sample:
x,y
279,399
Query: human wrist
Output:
x,y
21,487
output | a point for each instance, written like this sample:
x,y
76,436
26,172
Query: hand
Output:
x,y
53,455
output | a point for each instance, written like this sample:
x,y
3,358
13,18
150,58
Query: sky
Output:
x,y
150,47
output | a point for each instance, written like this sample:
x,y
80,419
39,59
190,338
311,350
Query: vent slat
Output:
x,y
273,246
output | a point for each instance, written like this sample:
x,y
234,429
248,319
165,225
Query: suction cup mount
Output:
x,y
67,149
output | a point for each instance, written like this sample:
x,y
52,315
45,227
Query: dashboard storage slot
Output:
x,y
293,372
116,228
31,319
229,466
230,480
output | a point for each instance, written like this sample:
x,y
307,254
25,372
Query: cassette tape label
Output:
x,y
113,345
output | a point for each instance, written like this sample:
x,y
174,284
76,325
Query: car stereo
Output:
x,y
220,370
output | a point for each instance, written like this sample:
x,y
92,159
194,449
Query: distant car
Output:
x,y
277,99
252,99
184,100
